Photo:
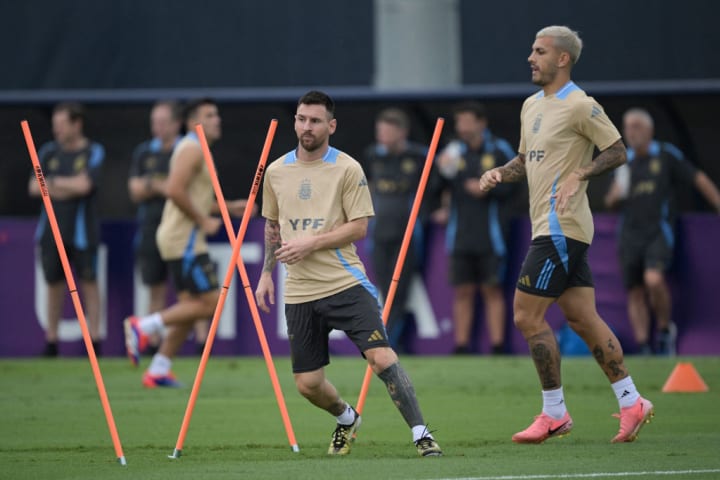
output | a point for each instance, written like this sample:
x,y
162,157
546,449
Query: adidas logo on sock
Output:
x,y
624,394
375,337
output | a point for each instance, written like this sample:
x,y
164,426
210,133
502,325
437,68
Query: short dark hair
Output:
x,y
176,111
471,106
316,97
394,116
193,106
75,110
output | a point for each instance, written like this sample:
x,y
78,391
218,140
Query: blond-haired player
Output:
x,y
560,127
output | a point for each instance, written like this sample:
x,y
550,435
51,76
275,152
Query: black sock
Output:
x,y
51,349
402,393
97,346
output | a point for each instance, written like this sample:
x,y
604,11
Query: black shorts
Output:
x,y
194,274
636,256
355,311
84,262
485,269
553,264
153,269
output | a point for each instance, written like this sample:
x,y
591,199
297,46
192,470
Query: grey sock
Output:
x,y
402,393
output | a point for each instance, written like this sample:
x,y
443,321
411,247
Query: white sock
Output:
x,y
347,417
626,392
152,323
420,431
160,365
554,403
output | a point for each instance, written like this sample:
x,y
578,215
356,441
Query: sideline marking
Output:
x,y
589,475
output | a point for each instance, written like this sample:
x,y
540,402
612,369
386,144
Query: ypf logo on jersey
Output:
x,y
306,223
537,155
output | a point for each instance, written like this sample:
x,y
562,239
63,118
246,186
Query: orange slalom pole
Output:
x,y
206,352
241,265
73,292
403,249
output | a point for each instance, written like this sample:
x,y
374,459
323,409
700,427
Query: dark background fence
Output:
x,y
258,57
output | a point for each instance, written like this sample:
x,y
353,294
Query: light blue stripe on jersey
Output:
x,y
290,158
496,236
654,150
188,255
80,240
192,136
155,145
359,275
556,233
451,230
331,155
672,150
97,155
665,224
563,93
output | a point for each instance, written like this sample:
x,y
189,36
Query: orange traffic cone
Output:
x,y
684,378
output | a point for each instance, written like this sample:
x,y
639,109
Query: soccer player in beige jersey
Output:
x,y
316,203
560,126
186,220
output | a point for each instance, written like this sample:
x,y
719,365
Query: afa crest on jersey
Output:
x,y
408,165
151,162
487,161
536,123
655,166
305,192
80,163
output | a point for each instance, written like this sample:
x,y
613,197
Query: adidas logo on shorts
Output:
x,y
376,336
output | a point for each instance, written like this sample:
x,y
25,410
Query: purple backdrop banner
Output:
x,y
695,310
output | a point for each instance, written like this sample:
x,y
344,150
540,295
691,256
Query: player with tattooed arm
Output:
x,y
560,127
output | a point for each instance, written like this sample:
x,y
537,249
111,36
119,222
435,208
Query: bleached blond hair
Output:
x,y
565,39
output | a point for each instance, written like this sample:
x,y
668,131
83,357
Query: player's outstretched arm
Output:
x,y
708,190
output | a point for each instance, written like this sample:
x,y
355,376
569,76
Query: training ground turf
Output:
x,y
52,425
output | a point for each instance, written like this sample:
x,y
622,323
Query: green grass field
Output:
x,y
52,425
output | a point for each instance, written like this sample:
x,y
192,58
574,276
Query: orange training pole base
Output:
x,y
236,242
52,221
241,265
403,249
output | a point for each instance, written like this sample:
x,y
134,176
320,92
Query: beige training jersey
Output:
x,y
178,236
309,198
558,134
